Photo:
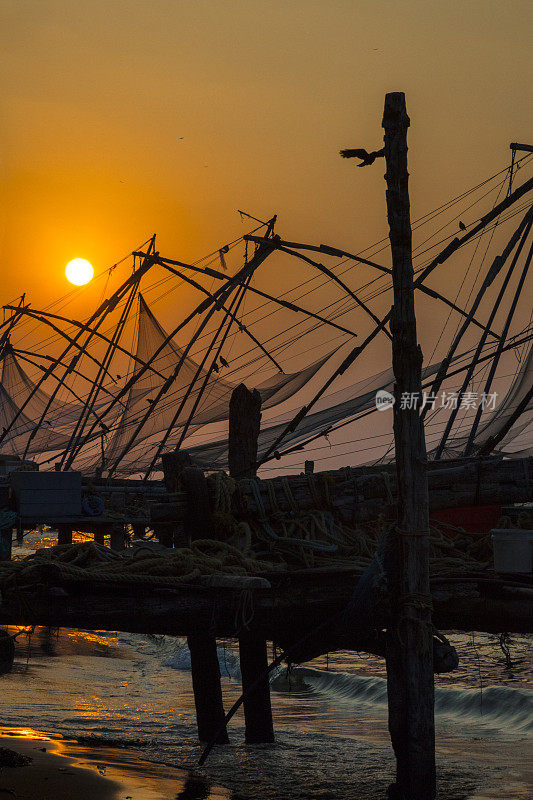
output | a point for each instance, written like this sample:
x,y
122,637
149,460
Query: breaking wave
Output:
x,y
499,706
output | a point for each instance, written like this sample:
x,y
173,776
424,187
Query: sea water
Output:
x,y
330,715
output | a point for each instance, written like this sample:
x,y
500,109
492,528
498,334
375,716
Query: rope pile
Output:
x,y
89,561
280,540
297,539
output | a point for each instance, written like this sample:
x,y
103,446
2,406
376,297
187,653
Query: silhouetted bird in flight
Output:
x,y
462,226
366,158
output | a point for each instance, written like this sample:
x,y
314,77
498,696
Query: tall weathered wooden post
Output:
x,y
179,472
244,426
409,638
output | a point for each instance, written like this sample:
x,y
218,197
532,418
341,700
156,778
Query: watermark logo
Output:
x,y
450,400
384,400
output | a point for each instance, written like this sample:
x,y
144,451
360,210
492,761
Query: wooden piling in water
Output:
x,y
180,474
409,650
244,426
257,706
206,686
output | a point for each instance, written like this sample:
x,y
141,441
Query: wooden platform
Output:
x,y
294,605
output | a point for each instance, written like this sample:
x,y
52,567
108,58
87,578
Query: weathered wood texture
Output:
x,y
244,426
409,654
296,604
361,494
6,544
257,707
118,537
355,494
203,644
64,534
206,687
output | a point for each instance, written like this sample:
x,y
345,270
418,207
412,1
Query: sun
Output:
x,y
79,271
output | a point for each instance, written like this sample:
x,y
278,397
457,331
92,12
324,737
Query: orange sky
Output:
x,y
95,98
124,118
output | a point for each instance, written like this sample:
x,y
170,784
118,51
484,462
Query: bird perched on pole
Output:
x,y
366,158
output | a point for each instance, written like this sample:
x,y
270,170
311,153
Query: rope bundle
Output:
x,y
90,561
267,541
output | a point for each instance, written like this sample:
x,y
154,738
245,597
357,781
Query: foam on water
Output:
x,y
181,659
137,690
500,706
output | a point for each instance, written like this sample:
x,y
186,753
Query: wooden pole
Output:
x,y
207,690
99,534
174,466
244,426
409,637
205,669
259,726
118,537
6,543
64,534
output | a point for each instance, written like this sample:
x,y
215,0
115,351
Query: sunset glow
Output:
x,y
79,271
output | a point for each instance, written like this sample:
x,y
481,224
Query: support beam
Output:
x,y
244,427
205,668
99,535
523,148
64,534
206,686
493,441
174,465
257,707
6,543
165,534
139,531
118,537
409,649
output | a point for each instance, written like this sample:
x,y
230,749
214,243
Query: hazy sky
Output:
x,y
95,97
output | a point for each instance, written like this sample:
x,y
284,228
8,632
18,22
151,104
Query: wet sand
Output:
x,y
135,693
63,769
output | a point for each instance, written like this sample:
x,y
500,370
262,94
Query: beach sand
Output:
x,y
63,769
114,709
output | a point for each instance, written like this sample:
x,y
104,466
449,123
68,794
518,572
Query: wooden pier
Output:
x,y
317,562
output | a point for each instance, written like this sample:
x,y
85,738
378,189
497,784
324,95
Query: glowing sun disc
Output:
x,y
79,271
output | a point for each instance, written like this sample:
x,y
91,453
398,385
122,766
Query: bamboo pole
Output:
x,y
409,637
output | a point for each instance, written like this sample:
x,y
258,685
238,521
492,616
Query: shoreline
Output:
x,y
62,769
